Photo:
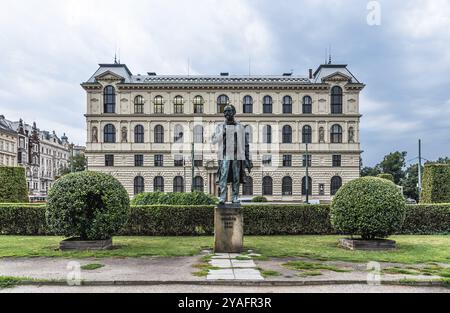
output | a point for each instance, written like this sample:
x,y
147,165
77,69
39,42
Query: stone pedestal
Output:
x,y
229,229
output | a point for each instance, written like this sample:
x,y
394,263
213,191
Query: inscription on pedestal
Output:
x,y
229,229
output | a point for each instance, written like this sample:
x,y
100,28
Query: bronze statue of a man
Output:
x,y
233,154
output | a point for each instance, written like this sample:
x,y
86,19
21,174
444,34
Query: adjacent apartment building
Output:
x,y
42,153
153,132
8,143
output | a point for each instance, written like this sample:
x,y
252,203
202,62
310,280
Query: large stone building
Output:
x,y
140,128
8,143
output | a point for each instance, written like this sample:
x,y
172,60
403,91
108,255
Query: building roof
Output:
x,y
122,71
6,126
326,70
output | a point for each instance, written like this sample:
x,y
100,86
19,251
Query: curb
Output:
x,y
237,283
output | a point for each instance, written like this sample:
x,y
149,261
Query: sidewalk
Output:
x,y
224,269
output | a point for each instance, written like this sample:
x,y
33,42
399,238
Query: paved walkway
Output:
x,y
231,268
227,269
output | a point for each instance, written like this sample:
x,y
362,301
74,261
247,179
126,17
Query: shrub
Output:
x,y
427,219
436,184
287,220
259,199
370,207
89,205
170,221
161,198
13,185
23,219
386,176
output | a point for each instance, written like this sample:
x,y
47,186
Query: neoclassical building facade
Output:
x,y
154,132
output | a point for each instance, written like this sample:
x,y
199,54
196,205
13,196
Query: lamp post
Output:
x,y
307,174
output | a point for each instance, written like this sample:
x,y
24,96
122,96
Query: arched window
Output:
x,y
287,105
159,134
198,105
248,104
178,136
267,134
158,184
139,134
267,186
222,102
287,134
336,134
267,105
198,134
159,105
307,105
109,134
109,99
178,184
336,100
198,184
249,134
178,105
139,105
309,184
248,187
287,186
139,186
336,184
307,134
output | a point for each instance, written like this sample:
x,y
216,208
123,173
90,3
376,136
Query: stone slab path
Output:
x,y
231,267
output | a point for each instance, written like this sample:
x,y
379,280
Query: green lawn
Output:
x,y
411,249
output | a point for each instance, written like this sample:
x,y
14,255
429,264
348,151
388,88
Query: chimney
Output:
x,y
310,73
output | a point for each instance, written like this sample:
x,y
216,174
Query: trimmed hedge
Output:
x,y
23,219
28,220
259,199
13,185
177,198
436,184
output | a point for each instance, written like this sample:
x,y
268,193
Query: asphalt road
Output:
x,y
226,289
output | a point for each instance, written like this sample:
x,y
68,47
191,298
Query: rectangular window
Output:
x,y
139,160
287,160
198,161
337,161
159,160
109,160
308,159
178,161
267,160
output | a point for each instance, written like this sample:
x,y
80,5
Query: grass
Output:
x,y
310,273
11,282
311,267
411,249
204,269
268,273
92,266
433,270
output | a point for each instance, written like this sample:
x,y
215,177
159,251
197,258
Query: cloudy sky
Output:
x,y
50,46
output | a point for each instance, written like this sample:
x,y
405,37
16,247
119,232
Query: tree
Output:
x,y
370,171
410,182
394,164
79,163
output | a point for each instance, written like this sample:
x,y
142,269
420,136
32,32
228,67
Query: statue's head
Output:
x,y
229,112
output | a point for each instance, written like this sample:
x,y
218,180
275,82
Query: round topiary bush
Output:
x,y
370,207
88,205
